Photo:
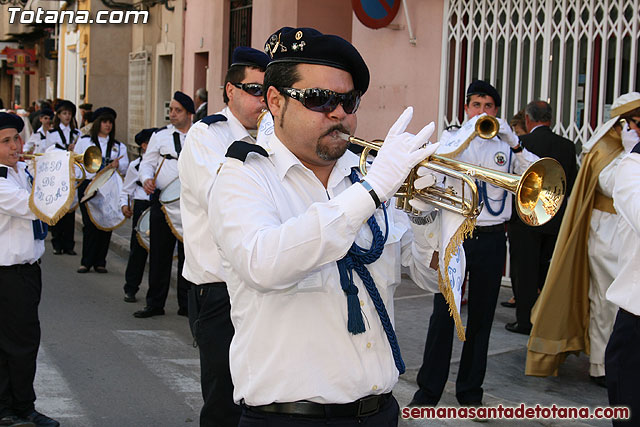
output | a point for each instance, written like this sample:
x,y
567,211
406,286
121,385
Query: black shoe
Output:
x,y
100,270
70,252
515,327
83,269
41,420
148,312
601,381
58,251
129,297
508,304
13,421
183,312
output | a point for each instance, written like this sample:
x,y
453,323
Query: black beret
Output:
x,y
66,105
104,111
8,121
250,57
480,87
46,112
310,46
86,106
144,135
185,100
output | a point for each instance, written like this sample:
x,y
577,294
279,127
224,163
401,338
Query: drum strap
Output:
x,y
176,143
64,140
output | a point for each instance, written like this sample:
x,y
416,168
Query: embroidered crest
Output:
x,y
298,35
500,158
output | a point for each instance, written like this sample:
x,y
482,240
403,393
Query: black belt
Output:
x,y
18,266
213,285
364,407
490,228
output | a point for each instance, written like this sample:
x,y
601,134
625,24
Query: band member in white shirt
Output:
x,y
311,251
204,152
133,202
95,242
38,140
23,236
159,167
63,136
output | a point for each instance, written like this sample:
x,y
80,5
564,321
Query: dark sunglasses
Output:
x,y
254,89
324,100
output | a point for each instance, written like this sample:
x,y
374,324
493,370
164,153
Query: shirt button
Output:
x,y
374,388
431,235
361,303
368,345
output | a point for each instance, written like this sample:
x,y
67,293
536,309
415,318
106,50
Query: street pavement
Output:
x,y
100,366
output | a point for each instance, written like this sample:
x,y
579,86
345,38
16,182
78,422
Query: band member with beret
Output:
x,y
20,284
95,242
38,140
204,152
158,168
132,192
311,249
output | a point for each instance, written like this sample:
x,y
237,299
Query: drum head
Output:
x,y
98,181
171,192
143,229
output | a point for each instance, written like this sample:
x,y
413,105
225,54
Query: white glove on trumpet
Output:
x,y
507,134
629,138
425,179
400,152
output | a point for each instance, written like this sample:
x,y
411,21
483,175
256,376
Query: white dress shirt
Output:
x,y
203,153
280,233
625,289
119,150
53,137
494,154
36,142
161,144
132,187
16,226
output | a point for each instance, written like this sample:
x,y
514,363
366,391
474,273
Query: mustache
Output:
x,y
339,128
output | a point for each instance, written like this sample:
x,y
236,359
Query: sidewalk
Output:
x,y
505,382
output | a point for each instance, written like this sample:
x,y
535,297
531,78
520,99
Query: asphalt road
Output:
x,y
99,366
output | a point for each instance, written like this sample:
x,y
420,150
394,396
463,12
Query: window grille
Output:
x,y
239,25
138,104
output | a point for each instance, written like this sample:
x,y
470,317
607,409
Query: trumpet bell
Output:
x,y
540,192
91,159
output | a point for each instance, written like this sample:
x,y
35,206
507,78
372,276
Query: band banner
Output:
x,y
53,186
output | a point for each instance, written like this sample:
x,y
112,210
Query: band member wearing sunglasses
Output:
x,y
621,358
22,235
204,151
485,254
311,251
158,168
572,304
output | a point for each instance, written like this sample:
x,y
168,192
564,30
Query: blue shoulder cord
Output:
x,y
356,259
40,229
482,187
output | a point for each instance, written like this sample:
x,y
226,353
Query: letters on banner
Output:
x,y
53,187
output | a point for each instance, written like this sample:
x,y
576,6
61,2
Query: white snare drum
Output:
x,y
143,229
98,181
103,206
170,200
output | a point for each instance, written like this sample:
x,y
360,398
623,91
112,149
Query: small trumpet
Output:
x,y
90,161
539,191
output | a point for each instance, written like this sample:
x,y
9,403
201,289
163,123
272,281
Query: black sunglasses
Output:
x,y
254,89
324,100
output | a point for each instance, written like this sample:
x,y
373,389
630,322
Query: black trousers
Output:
x,y
137,254
95,242
163,243
210,321
20,289
622,365
530,252
62,233
386,417
485,255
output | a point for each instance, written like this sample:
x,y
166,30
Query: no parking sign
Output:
x,y
376,13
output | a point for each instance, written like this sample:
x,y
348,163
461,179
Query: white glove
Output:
x,y
425,179
400,152
629,138
507,134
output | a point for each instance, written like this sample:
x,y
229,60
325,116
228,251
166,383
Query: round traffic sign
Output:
x,y
376,13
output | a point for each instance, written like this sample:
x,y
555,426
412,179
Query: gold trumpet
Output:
x,y
90,161
539,191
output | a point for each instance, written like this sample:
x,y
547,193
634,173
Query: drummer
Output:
x,y
20,284
95,242
132,192
159,167
38,140
63,136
